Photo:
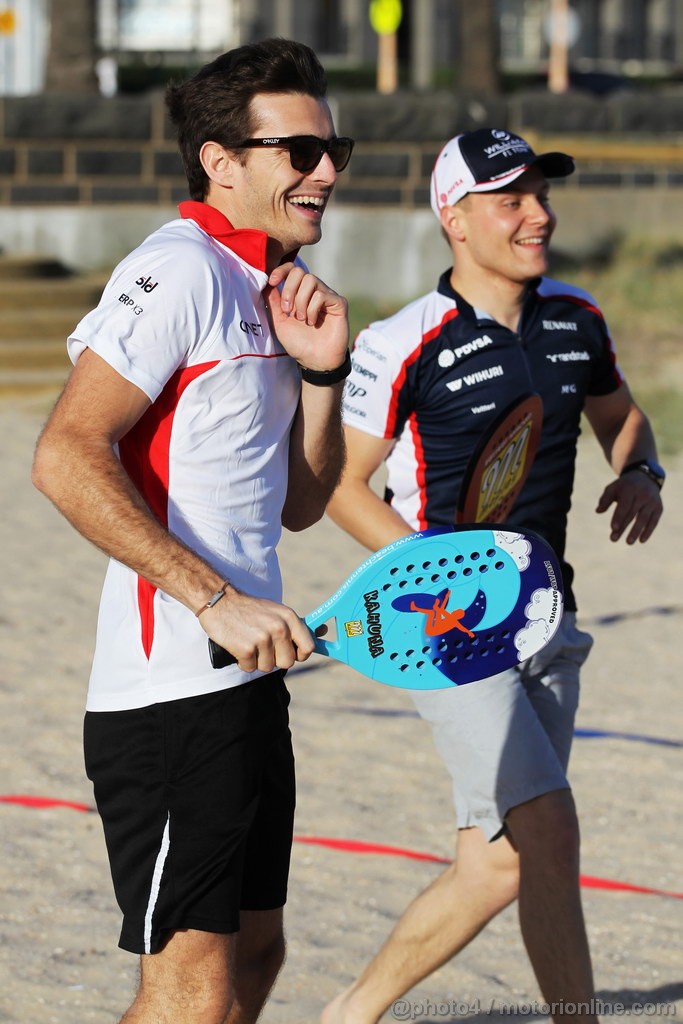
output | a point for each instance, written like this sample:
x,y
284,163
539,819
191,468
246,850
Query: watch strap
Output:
x,y
326,378
644,466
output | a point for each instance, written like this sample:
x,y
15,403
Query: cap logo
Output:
x,y
507,148
452,188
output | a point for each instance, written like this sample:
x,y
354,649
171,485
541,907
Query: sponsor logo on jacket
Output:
x,y
560,325
147,284
478,377
448,356
568,357
362,370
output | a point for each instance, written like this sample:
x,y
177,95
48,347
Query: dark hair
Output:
x,y
215,104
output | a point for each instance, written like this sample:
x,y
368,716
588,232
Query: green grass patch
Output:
x,y
363,311
639,286
664,407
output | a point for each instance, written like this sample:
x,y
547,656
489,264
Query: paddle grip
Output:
x,y
220,658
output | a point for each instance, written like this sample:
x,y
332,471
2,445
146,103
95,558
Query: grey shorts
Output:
x,y
507,739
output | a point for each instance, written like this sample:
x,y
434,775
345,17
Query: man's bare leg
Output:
x,y
188,980
203,978
258,954
440,922
447,915
546,834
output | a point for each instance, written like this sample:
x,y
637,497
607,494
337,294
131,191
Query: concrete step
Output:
x,y
27,354
31,382
17,268
41,302
39,324
70,293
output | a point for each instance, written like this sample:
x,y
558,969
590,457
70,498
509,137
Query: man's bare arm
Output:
x,y
76,467
355,506
625,434
316,455
311,322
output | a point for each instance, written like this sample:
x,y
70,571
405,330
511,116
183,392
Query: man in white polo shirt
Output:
x,y
202,415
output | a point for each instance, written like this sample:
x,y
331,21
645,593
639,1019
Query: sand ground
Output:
x,y
367,771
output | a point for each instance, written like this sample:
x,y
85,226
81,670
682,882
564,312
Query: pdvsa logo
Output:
x,y
147,284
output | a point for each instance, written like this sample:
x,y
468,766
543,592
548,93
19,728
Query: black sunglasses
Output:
x,y
306,151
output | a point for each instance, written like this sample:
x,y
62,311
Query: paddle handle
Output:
x,y
220,658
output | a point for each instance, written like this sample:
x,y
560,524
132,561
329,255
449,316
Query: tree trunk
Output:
x,y
479,47
72,50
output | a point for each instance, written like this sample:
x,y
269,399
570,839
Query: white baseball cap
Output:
x,y
487,159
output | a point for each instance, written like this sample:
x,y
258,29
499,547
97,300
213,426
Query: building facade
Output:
x,y
628,39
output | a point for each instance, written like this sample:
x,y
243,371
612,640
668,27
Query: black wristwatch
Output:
x,y
325,378
650,468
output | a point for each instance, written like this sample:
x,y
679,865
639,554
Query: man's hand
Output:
x,y
261,634
638,502
310,320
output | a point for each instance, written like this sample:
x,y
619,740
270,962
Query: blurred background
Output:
x,y
88,164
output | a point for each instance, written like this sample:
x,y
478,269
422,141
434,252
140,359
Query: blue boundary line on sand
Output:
x,y
584,734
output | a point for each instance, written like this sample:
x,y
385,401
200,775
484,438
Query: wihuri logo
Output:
x,y
374,624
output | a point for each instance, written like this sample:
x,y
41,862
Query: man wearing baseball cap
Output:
x,y
426,384
486,161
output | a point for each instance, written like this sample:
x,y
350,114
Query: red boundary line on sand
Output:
x,y
358,846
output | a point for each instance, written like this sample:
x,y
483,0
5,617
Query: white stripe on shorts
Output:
x,y
156,883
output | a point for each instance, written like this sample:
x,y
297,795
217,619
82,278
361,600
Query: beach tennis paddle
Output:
x,y
500,463
441,607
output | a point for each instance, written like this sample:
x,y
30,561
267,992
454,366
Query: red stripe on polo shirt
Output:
x,y
248,243
144,454
421,466
434,332
576,299
420,470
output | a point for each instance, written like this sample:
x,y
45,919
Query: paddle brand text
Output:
x,y
374,624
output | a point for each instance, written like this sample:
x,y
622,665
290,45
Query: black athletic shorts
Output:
x,y
197,801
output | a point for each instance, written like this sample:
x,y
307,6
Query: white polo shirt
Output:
x,y
183,318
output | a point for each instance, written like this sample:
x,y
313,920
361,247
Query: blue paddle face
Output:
x,y
445,607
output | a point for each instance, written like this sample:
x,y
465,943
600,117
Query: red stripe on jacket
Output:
x,y
144,454
392,414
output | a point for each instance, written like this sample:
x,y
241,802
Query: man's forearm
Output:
x,y
88,485
356,508
316,455
634,440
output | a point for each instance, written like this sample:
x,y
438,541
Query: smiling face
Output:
x,y
259,188
504,234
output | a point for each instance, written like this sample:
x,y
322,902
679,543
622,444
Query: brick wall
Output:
x,y
63,150
87,150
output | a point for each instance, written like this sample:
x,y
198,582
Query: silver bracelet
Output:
x,y
214,599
